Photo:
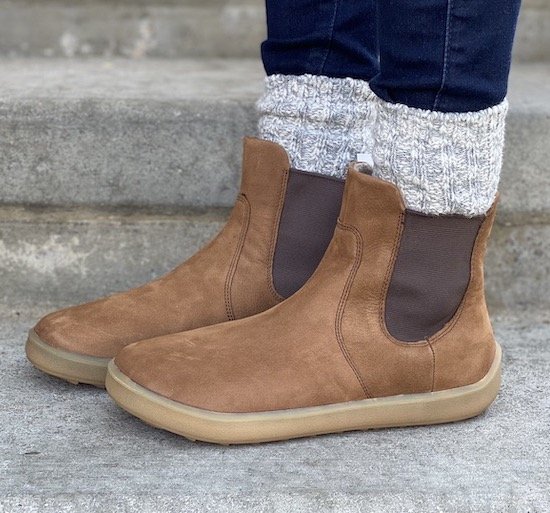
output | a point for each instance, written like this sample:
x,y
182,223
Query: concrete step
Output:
x,y
71,256
176,28
71,449
163,133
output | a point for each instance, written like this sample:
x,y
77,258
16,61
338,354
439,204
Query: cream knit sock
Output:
x,y
443,163
323,123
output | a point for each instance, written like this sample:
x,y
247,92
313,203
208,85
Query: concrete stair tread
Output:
x,y
71,449
184,79
112,80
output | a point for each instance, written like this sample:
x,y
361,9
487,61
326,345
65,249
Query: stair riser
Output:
x,y
154,29
68,260
141,153
71,261
183,153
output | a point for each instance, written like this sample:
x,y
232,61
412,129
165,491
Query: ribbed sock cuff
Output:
x,y
322,122
443,163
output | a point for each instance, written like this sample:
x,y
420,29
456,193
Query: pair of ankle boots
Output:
x,y
320,307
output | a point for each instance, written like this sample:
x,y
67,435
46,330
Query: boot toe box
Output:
x,y
193,369
71,330
232,368
167,367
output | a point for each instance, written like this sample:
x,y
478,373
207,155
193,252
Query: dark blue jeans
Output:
x,y
443,55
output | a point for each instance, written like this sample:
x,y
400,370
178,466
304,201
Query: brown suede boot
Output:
x,y
391,330
277,233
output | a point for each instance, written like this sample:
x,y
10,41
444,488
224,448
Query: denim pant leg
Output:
x,y
335,38
445,55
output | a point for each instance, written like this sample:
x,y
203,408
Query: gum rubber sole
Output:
x,y
240,428
72,367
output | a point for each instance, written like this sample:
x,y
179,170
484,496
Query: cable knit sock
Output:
x,y
443,163
323,123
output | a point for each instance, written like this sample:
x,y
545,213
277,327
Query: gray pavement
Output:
x,y
70,449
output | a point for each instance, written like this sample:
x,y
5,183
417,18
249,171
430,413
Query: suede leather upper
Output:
x,y
328,343
228,279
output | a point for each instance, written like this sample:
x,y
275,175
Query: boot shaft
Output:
x,y
287,218
417,292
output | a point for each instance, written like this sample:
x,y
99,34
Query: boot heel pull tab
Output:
x,y
363,163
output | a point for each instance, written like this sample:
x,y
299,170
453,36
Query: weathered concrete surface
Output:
x,y
72,256
525,183
158,28
172,28
532,42
124,133
518,268
70,449
168,133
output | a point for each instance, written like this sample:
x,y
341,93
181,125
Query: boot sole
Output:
x,y
244,428
72,367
